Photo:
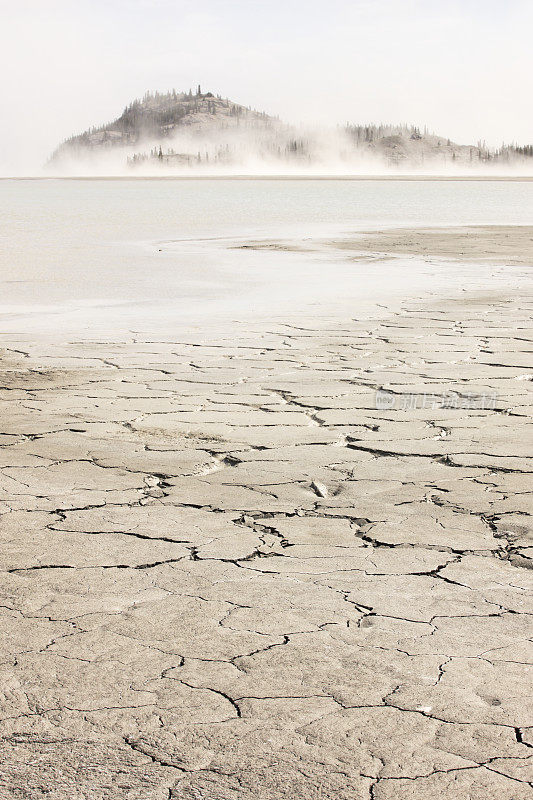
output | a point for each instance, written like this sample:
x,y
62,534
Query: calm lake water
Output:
x,y
97,253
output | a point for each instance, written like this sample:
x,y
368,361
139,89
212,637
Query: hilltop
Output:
x,y
157,117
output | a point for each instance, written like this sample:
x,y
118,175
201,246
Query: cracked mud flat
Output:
x,y
228,574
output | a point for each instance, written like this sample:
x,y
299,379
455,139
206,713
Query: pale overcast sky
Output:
x,y
461,67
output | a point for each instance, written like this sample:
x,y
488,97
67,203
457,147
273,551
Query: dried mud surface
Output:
x,y
288,563
504,244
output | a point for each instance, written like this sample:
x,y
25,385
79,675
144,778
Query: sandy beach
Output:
x,y
286,559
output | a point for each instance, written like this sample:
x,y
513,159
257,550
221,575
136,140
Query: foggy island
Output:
x,y
200,133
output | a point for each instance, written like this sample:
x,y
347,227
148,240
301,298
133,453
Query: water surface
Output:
x,y
97,253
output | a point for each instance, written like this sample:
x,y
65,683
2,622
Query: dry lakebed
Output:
x,y
289,560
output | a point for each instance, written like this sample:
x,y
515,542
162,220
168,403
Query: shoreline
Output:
x,y
433,260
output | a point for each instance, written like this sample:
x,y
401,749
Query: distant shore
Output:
x,y
489,178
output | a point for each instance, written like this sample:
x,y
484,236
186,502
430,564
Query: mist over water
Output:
x,y
286,151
